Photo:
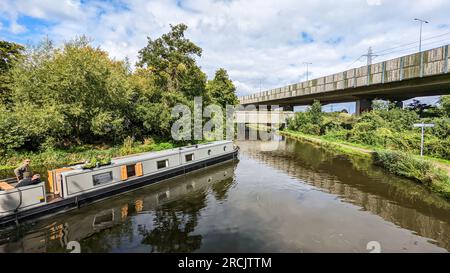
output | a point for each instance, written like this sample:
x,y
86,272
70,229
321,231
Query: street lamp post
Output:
x,y
307,71
423,126
420,37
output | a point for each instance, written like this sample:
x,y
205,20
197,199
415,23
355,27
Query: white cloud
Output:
x,y
373,2
256,41
17,28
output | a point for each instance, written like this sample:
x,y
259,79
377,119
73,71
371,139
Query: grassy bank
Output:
x,y
336,146
428,172
61,157
423,171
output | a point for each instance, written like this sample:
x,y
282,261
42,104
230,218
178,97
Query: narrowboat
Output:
x,y
70,187
57,232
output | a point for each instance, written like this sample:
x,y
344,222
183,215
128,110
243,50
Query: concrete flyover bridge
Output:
x,y
424,73
262,117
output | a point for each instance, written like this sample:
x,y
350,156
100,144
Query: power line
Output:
x,y
413,47
354,61
410,48
413,43
408,45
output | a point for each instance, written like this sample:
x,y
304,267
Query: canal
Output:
x,y
280,196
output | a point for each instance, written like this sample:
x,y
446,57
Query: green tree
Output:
x,y
169,71
315,112
76,94
419,108
11,136
79,86
445,105
172,59
10,53
379,105
221,89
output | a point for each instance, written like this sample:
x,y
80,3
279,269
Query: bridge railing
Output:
x,y
426,63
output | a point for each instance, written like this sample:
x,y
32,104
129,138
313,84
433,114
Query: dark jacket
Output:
x,y
27,182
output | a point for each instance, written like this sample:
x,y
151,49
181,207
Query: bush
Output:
x,y
330,125
11,135
311,129
300,119
404,165
163,146
341,134
416,168
148,141
363,133
97,161
128,146
315,113
399,119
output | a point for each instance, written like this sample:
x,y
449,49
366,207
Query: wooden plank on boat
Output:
x,y
58,179
49,183
123,173
5,186
138,169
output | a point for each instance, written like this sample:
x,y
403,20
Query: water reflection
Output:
x,y
282,196
357,181
160,216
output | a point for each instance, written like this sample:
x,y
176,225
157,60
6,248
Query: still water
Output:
x,y
280,196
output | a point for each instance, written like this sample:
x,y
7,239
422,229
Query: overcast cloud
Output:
x,y
262,44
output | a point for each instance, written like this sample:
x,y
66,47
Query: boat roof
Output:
x,y
151,155
148,155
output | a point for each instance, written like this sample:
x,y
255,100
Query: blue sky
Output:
x,y
262,44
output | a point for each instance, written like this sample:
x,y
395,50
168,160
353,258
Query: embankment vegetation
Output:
x,y
64,103
412,167
387,135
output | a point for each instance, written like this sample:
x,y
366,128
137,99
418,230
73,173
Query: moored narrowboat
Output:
x,y
59,230
70,187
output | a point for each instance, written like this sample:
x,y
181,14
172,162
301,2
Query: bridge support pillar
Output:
x,y
363,105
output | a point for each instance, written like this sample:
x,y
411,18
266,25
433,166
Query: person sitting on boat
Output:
x,y
24,170
36,179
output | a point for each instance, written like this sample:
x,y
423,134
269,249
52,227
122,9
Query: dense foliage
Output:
x,y
61,97
413,167
384,127
10,53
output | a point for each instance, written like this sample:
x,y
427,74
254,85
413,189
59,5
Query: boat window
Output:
x,y
224,148
102,178
131,170
189,157
209,152
104,220
162,164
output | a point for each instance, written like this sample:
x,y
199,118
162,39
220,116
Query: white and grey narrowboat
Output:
x,y
70,187
76,227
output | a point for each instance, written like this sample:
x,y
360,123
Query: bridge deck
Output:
x,y
420,74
